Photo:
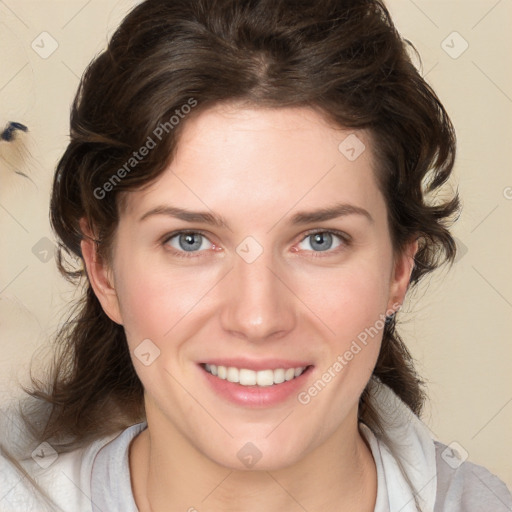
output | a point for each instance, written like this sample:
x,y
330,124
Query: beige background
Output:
x,y
458,325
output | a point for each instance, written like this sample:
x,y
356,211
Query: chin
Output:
x,y
259,453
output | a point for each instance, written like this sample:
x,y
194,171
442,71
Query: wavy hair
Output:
x,y
344,58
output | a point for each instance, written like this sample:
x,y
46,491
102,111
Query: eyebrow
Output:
x,y
305,217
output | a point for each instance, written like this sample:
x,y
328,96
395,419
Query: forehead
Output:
x,y
229,156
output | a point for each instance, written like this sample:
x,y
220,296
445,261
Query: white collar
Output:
x,y
405,459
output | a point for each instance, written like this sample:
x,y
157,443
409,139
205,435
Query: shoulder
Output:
x,y
47,480
463,486
417,469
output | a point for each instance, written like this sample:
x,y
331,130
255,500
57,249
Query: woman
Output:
x,y
248,188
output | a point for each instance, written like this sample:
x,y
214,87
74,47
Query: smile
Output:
x,y
246,377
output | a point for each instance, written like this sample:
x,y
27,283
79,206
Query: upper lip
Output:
x,y
257,365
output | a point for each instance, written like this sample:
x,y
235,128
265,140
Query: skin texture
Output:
x,y
256,168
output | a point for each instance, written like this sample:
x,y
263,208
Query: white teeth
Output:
x,y
278,376
222,372
233,374
265,378
247,377
289,374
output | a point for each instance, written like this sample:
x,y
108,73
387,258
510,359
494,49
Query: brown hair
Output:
x,y
342,57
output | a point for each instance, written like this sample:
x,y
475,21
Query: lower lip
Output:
x,y
256,396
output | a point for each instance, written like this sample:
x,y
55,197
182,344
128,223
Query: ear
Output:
x,y
401,274
100,274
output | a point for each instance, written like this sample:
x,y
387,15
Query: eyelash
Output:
x,y
346,241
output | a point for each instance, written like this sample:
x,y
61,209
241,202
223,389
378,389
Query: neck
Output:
x,y
168,473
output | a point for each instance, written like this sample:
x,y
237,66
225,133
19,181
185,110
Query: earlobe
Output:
x,y
404,265
100,274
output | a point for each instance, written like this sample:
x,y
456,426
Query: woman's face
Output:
x,y
257,290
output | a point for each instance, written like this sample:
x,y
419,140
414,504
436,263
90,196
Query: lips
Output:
x,y
255,384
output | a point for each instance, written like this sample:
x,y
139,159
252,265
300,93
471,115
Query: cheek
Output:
x,y
346,300
154,300
352,305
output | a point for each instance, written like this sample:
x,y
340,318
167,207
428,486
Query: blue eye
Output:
x,y
321,241
186,241
188,244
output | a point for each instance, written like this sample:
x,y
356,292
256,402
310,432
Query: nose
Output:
x,y
258,304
